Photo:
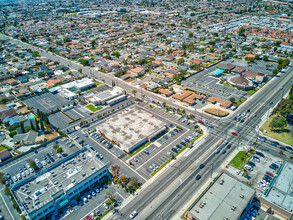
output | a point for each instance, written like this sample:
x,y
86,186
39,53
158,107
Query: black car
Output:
x,y
198,177
8,176
289,148
228,146
235,118
174,150
201,166
251,163
283,148
259,154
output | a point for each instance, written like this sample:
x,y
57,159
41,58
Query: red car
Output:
x,y
269,173
235,134
88,218
200,121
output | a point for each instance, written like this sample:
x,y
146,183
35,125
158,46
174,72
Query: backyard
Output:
x,y
283,135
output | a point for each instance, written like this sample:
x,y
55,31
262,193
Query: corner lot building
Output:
x,y
280,195
131,128
226,198
40,195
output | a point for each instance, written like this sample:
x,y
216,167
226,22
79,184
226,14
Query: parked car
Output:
x,y
198,177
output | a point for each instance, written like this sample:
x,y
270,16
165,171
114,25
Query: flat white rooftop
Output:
x,y
130,127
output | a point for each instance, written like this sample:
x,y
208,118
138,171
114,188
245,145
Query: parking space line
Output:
x,y
163,149
77,112
6,206
118,158
98,206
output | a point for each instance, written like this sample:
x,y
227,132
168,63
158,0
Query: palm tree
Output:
x,y
134,92
110,196
281,153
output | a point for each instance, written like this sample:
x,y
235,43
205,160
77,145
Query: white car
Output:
x,y
31,170
36,160
105,206
237,172
27,172
133,214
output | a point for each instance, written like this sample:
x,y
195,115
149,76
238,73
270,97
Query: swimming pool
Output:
x,y
31,116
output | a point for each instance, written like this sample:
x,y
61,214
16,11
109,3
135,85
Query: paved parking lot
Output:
x,y
47,102
95,204
257,171
14,167
205,83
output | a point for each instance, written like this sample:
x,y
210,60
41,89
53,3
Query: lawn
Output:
x,y
139,149
227,84
216,112
241,159
2,148
240,101
280,135
93,108
252,91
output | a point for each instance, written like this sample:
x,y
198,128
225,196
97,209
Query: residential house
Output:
x,y
138,71
157,62
23,79
4,154
128,76
23,92
15,119
11,82
28,138
7,113
165,92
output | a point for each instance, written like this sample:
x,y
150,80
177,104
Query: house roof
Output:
x,y
5,153
8,113
228,66
184,94
165,92
239,80
198,62
29,136
222,102
239,69
3,107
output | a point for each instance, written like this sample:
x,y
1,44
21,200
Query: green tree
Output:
x,y
110,196
4,101
2,177
134,92
7,191
36,54
32,164
115,54
42,125
56,146
60,150
37,125
190,35
82,122
66,40
84,62
180,61
278,123
232,99
93,42
22,127
275,71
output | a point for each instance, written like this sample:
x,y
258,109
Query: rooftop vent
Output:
x,y
222,182
241,196
233,208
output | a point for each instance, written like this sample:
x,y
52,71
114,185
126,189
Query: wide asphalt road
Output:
x,y
169,191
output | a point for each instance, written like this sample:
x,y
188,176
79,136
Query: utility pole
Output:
x,y
212,170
